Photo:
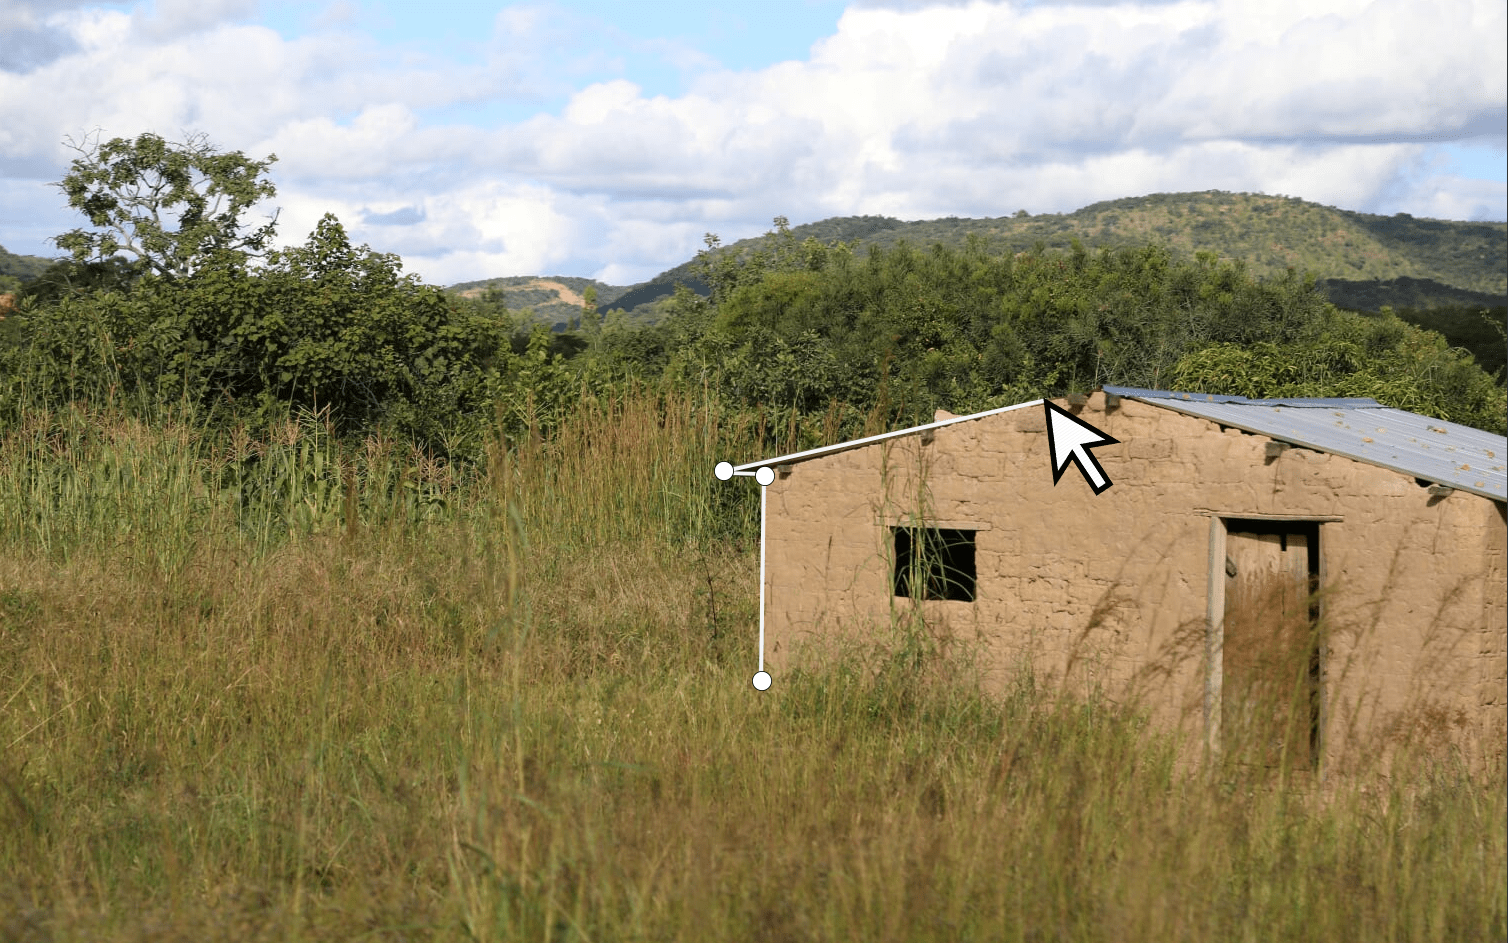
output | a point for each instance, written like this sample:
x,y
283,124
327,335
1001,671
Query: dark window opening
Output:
x,y
938,562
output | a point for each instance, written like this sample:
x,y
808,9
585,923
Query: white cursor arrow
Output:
x,y
1070,439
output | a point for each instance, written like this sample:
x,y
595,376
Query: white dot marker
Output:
x,y
723,471
761,680
765,475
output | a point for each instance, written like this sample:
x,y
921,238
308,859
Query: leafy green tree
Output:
x,y
724,270
169,206
591,320
964,329
1383,358
324,326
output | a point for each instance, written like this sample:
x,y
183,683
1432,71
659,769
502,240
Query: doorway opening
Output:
x,y
1272,656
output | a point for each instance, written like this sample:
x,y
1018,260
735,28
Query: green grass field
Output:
x,y
279,689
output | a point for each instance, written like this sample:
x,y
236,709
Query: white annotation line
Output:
x,y
749,468
764,475
763,497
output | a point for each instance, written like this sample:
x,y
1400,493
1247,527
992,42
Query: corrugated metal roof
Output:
x,y
1430,449
1363,429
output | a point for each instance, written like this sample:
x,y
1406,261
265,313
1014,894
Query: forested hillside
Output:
x,y
1471,320
555,301
1416,293
1362,261
1269,234
16,270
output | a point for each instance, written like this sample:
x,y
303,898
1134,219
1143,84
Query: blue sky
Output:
x,y
603,139
621,39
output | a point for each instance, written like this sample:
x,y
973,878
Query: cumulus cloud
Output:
x,y
909,109
27,39
26,13
29,47
171,19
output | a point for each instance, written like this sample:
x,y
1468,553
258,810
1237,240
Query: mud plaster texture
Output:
x,y
1115,591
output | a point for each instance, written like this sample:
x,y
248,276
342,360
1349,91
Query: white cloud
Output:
x,y
28,14
171,19
597,103
1390,69
1452,197
911,110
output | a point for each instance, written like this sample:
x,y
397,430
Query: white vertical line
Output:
x,y
763,490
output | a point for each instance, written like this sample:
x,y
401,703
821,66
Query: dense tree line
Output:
x,y
198,315
798,326
819,339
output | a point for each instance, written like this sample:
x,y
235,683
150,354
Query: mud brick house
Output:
x,y
1312,574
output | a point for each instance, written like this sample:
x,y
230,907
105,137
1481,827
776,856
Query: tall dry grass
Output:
x,y
292,689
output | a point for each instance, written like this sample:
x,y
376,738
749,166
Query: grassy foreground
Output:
x,y
281,690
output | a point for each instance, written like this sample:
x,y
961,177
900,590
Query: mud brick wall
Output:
x,y
1115,590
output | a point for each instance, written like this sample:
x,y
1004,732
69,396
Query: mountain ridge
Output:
x,y
1268,234
1360,260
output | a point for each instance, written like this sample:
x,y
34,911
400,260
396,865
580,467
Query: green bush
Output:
x,y
1350,355
324,327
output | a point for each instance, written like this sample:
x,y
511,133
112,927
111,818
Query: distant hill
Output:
x,y
1473,320
859,229
1400,293
1362,261
1346,250
1269,233
555,299
18,269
